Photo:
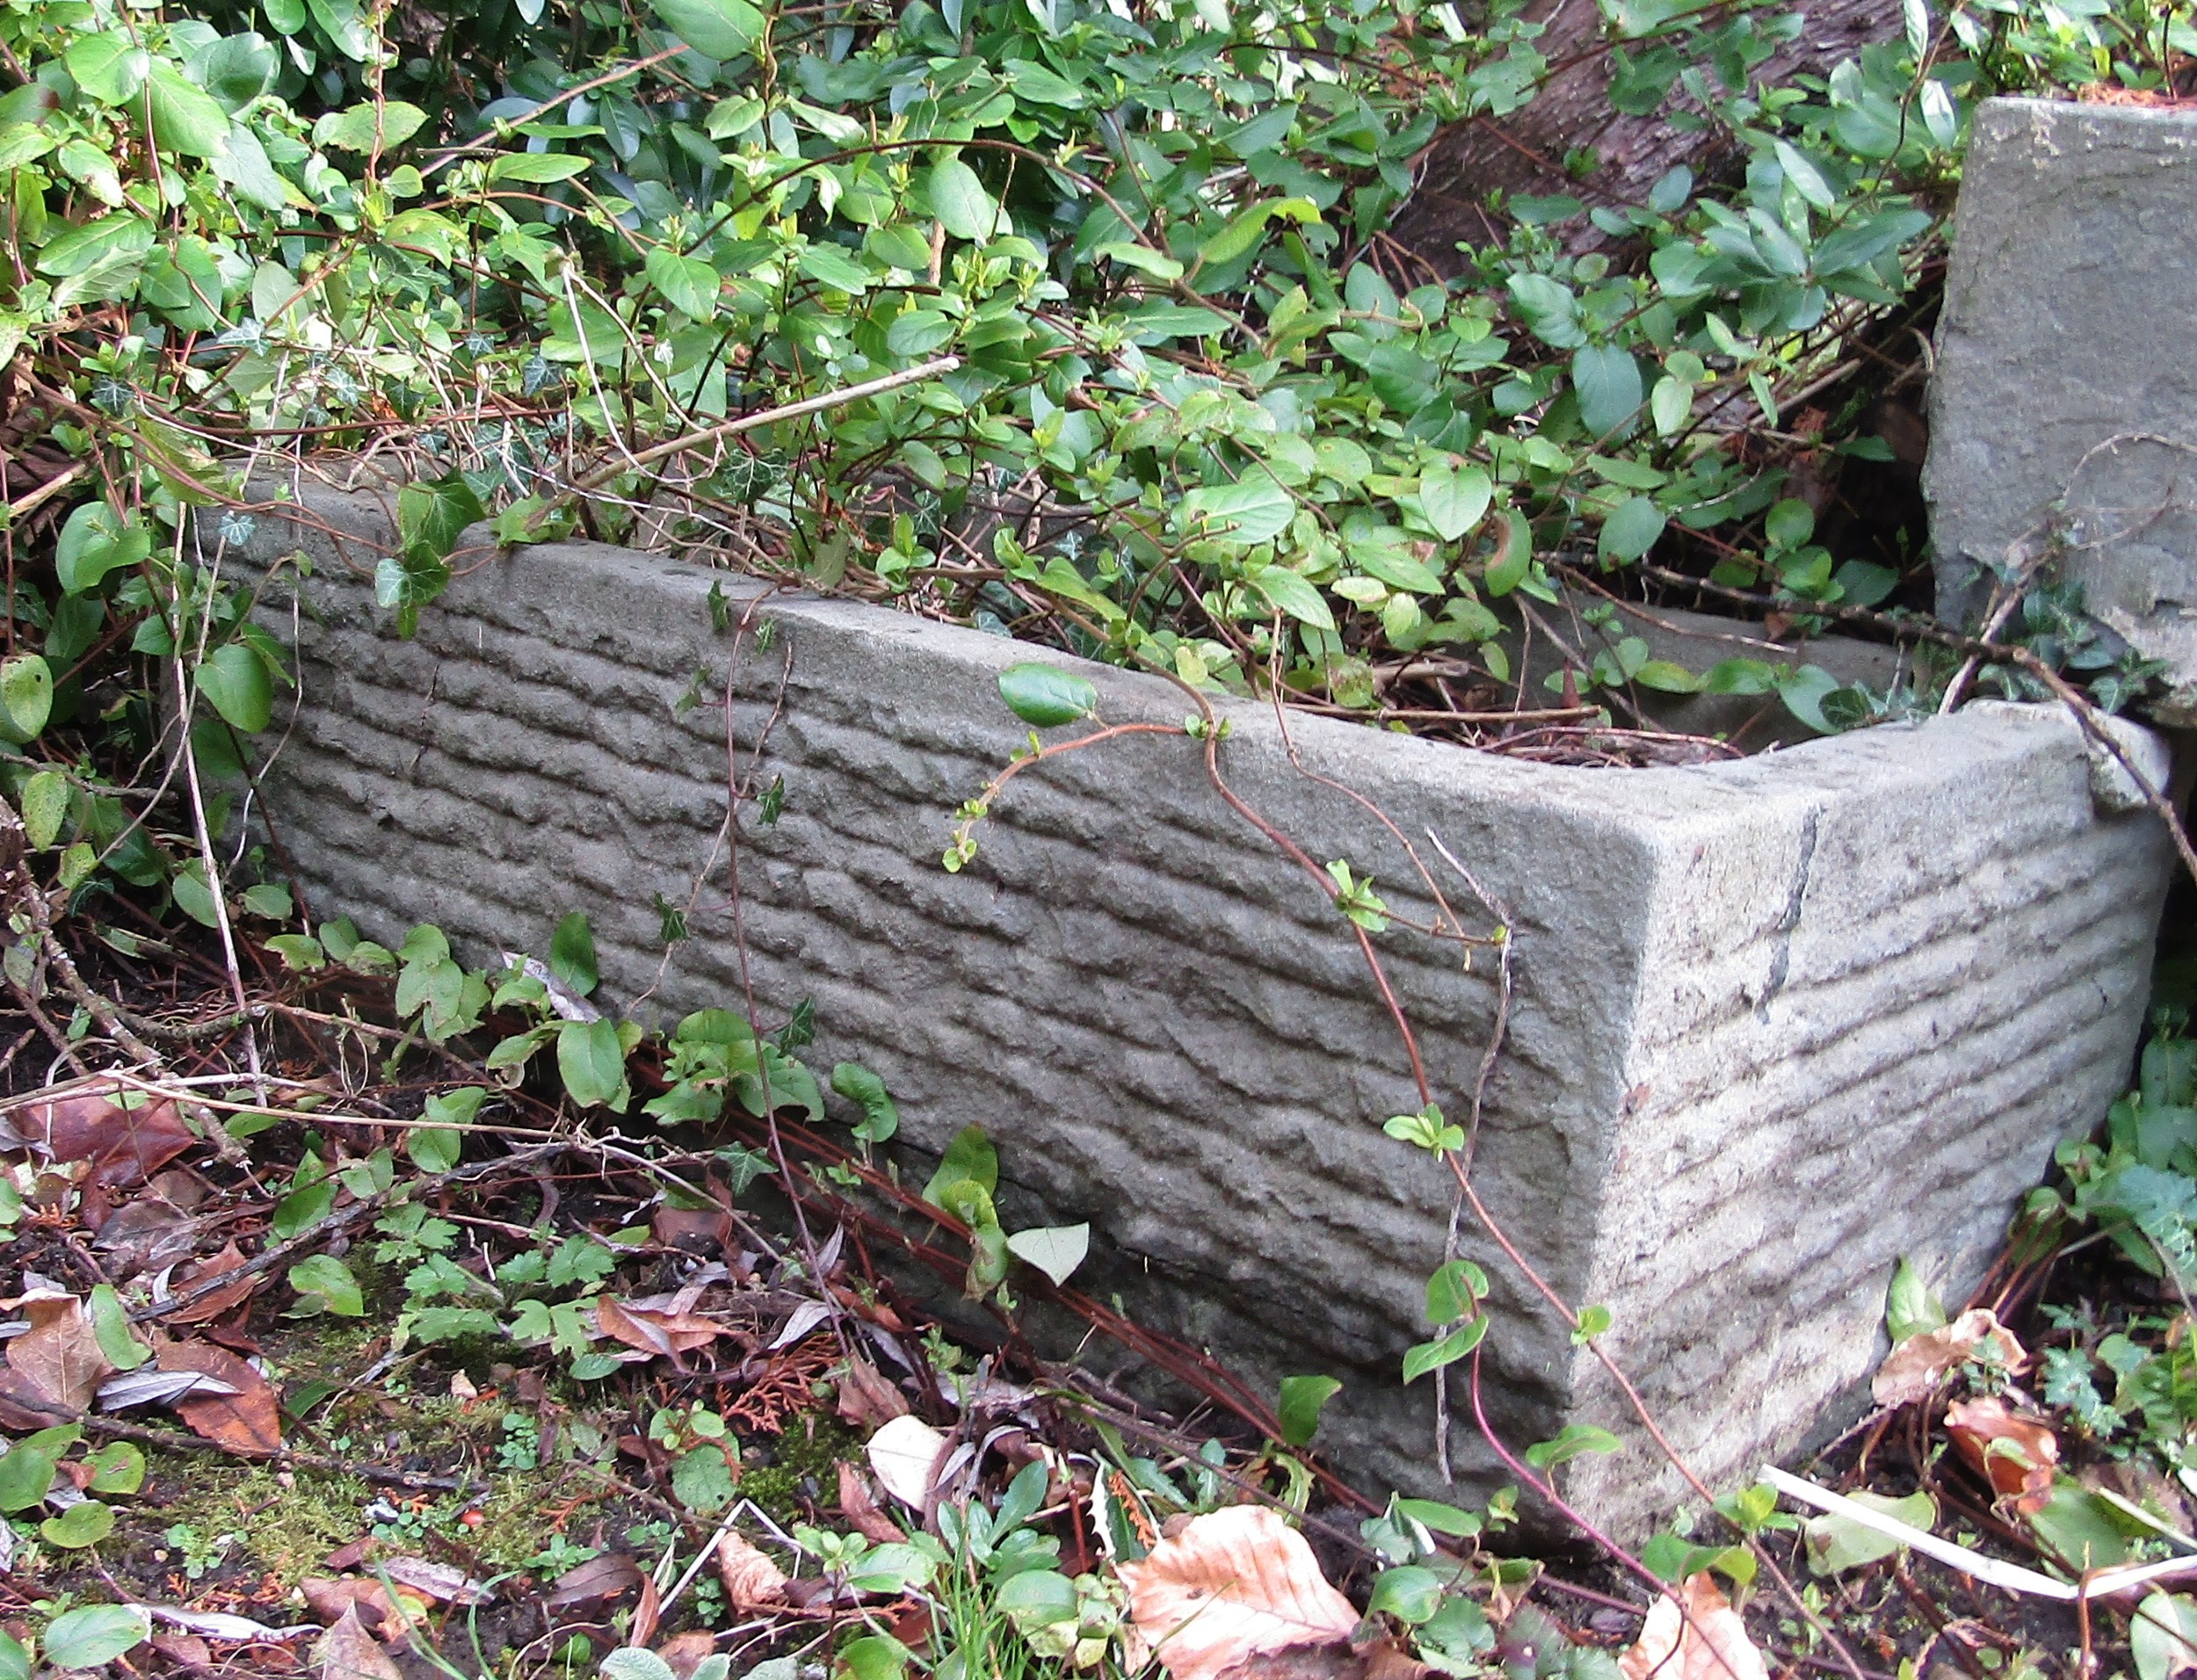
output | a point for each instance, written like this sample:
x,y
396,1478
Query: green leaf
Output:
x,y
1432,1355
879,1656
26,1470
688,283
958,200
572,954
194,898
1057,1250
86,1522
27,696
969,1159
118,1467
1667,676
2163,1636
1455,1291
719,29
111,1326
1254,508
186,119
593,1063
1292,593
536,168
1607,381
86,1637
918,332
1303,1400
234,679
344,26
237,69
111,67
303,1208
1037,1598
45,807
858,1084
1411,1594
1575,1439
1046,697
633,1663
365,128
96,540
1836,1544
327,1284
15,1661
1455,499
1631,531
701,1480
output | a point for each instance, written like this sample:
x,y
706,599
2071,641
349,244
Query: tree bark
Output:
x,y
1525,152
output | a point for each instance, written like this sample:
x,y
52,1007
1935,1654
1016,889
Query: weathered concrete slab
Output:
x,y
1778,1022
2063,411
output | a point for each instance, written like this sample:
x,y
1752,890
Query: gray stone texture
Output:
x,y
2067,371
1778,1021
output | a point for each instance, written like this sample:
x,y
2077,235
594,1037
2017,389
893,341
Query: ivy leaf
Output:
x,y
1454,498
1291,593
858,1084
592,1062
572,954
185,117
234,680
93,1634
1632,530
1608,380
1254,508
45,802
718,29
1046,697
958,200
27,696
325,1283
688,283
1432,1355
1303,1400
110,67
536,168
969,1159
1057,1250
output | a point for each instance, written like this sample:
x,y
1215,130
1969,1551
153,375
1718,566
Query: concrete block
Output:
x,y
1778,1021
2064,411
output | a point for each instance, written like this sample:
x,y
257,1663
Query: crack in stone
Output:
x,y
1781,959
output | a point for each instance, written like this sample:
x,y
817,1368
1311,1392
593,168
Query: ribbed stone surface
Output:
x,y
2064,409
1778,1022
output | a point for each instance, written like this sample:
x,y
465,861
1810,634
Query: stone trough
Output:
x,y
1779,1021
2065,409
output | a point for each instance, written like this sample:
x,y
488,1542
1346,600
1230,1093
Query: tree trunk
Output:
x,y
1525,152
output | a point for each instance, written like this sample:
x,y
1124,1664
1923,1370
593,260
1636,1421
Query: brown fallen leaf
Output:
x,y
859,1508
2016,1453
1694,1635
248,1420
443,1582
348,1652
753,1582
693,1230
683,1653
1913,1370
201,1274
1233,1585
119,1146
656,1329
1382,1660
597,1581
385,1615
865,1398
55,1368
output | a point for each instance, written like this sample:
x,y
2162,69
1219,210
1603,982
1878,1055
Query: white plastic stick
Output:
x,y
1991,1571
